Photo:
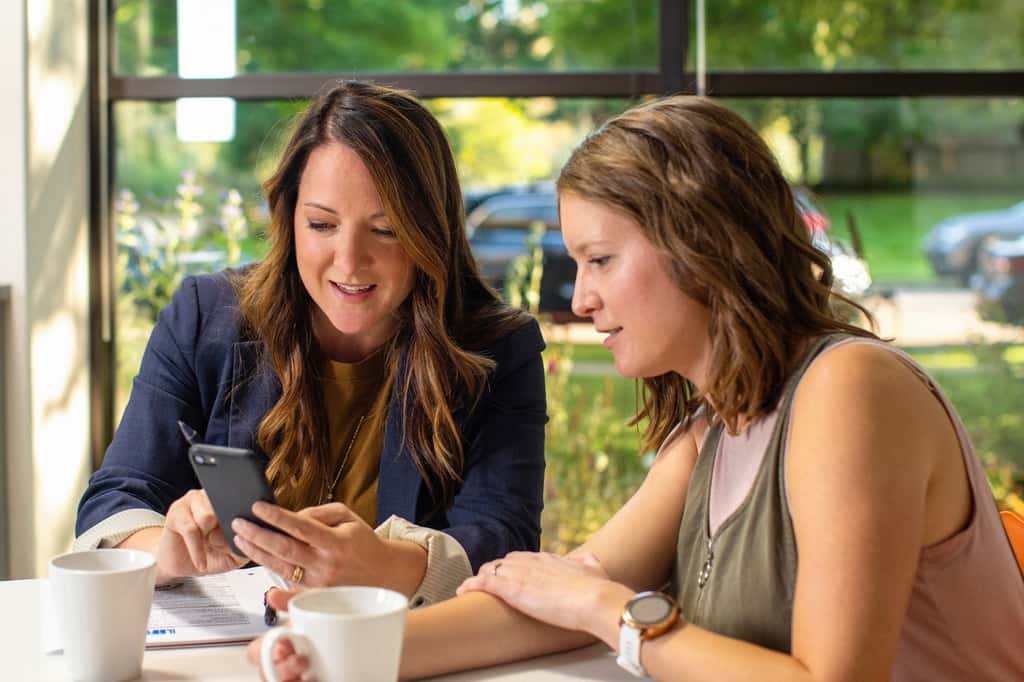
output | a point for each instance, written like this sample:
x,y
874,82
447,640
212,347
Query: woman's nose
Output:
x,y
584,300
351,252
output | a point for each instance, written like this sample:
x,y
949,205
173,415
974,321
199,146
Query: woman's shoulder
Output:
x,y
868,391
204,307
216,292
863,366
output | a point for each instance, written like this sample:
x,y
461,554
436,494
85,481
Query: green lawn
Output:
x,y
892,226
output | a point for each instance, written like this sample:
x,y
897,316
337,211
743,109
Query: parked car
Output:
x,y
1000,281
498,230
473,198
953,244
499,226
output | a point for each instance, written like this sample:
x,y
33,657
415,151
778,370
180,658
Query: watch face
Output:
x,y
650,609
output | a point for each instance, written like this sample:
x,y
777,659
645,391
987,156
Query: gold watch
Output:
x,y
646,616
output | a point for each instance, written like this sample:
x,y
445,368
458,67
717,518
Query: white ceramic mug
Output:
x,y
102,599
349,634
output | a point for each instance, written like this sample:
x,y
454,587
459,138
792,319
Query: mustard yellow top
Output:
x,y
354,399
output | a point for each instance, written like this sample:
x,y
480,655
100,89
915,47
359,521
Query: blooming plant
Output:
x,y
158,244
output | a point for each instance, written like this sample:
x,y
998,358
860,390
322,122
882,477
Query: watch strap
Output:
x,y
629,650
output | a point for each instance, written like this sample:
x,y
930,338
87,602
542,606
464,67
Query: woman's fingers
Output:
x,y
288,664
292,668
304,527
279,598
284,566
180,521
202,510
487,579
329,514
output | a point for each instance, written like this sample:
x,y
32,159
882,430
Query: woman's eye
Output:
x,y
384,231
599,261
319,227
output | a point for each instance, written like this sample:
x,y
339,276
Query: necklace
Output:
x,y
329,494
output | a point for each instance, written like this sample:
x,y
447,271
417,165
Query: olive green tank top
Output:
x,y
739,582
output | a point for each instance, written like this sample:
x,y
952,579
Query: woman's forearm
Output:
x,y
475,630
147,540
405,572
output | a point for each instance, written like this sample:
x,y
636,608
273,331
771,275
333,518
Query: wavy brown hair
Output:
x,y
710,196
448,318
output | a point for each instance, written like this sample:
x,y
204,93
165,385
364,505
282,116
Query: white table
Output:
x,y
21,655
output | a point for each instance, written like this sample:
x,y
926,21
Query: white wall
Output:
x,y
44,257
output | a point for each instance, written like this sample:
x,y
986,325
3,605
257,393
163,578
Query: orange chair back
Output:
x,y
1014,526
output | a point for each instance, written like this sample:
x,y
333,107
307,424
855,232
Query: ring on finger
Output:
x,y
494,569
297,573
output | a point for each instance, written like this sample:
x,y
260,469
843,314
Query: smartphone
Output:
x,y
233,479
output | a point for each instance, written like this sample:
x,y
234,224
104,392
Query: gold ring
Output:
x,y
297,575
497,565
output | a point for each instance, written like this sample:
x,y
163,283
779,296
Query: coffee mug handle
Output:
x,y
298,640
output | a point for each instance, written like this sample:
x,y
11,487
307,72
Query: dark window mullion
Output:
x,y
102,254
302,85
673,44
627,84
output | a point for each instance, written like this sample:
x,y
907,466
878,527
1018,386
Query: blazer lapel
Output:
x,y
398,485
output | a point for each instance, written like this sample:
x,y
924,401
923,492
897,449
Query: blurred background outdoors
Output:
x,y
912,196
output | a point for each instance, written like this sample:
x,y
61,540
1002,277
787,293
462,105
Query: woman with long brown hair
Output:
x,y
815,510
364,356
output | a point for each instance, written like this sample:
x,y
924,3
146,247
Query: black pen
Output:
x,y
191,435
269,613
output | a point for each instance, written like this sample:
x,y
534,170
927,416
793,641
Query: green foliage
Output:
x,y
159,243
508,141
156,249
988,397
864,34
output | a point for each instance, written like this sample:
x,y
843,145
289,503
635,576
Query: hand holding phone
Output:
x,y
233,479
191,542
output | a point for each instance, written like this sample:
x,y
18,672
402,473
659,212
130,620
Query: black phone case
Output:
x,y
233,479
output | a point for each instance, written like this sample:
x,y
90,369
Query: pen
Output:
x,y
269,614
190,434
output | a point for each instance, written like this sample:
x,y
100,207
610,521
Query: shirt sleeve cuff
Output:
x,y
115,529
447,562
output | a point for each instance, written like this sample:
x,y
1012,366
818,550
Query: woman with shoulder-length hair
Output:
x,y
815,510
364,356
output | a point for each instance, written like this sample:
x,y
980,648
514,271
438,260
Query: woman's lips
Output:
x,y
353,292
612,333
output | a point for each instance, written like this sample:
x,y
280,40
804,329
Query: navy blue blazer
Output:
x,y
199,369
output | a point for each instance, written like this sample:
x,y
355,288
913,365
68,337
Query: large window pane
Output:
x,y
865,34
441,35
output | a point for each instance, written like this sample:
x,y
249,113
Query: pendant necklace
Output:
x,y
329,494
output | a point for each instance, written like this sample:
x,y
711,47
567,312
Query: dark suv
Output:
x,y
498,229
